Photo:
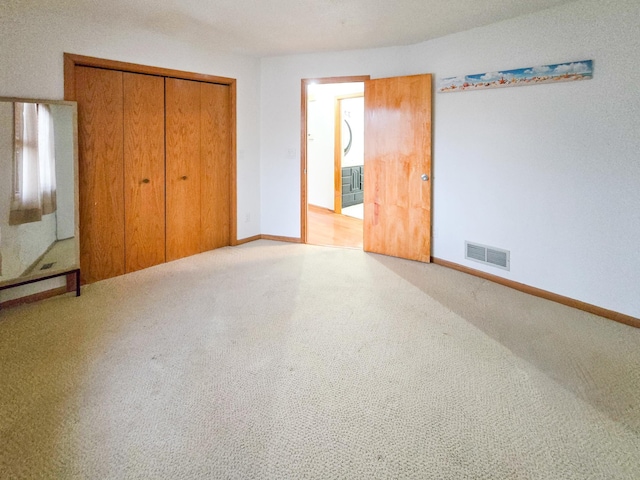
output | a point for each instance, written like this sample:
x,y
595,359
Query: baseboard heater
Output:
x,y
495,257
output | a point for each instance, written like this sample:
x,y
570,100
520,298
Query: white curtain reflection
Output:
x,y
34,188
47,159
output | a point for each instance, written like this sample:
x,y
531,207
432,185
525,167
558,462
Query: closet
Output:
x,y
155,164
197,127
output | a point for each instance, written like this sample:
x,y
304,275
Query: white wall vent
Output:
x,y
487,255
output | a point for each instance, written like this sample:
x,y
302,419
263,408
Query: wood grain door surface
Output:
x,y
101,173
397,202
144,171
183,122
151,149
215,166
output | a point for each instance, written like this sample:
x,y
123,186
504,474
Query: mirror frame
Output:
x,y
72,273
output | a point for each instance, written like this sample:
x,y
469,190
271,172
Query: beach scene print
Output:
x,y
561,72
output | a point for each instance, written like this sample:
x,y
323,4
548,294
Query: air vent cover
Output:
x,y
496,257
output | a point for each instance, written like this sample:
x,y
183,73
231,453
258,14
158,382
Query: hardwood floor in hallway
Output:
x,y
325,227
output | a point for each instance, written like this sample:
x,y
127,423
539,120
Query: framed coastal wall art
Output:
x,y
560,72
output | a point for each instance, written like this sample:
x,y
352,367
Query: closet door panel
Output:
x,y
144,171
101,187
216,165
182,168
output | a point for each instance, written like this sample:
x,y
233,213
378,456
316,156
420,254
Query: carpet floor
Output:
x,y
286,361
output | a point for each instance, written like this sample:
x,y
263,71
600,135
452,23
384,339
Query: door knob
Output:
x,y
145,180
424,177
184,177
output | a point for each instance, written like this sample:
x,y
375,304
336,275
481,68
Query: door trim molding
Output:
x,y
303,140
72,60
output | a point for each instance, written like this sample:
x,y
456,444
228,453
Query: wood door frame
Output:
x,y
303,140
337,150
72,60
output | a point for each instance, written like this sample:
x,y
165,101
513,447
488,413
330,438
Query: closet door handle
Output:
x,y
184,177
145,180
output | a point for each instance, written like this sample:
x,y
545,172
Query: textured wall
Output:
x,y
31,65
549,172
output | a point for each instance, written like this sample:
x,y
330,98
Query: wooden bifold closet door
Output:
x,y
198,149
121,141
144,171
155,169
215,153
183,168
101,172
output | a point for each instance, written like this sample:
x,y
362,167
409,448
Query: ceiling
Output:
x,y
282,27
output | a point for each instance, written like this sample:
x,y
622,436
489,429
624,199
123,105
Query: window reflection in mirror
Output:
x,y
37,189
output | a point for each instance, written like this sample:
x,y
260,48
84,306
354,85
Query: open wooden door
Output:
x,y
397,171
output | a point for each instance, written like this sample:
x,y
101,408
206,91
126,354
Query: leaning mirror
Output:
x,y
38,192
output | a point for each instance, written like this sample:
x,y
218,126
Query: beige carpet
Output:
x,y
275,360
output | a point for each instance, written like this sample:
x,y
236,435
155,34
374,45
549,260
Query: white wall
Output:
x,y
280,122
320,151
65,192
549,172
31,65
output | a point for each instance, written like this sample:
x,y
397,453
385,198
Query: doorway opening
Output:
x,y
332,147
